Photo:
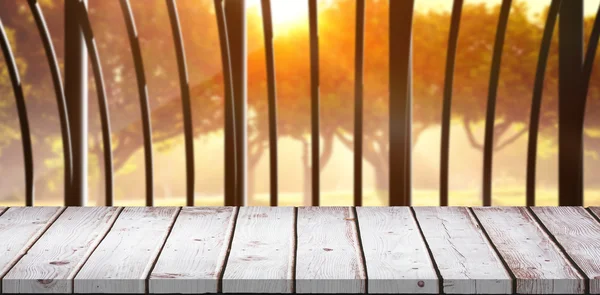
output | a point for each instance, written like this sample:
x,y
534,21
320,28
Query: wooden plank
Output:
x,y
579,235
595,211
20,227
328,258
536,262
123,260
465,259
261,259
51,264
396,257
202,236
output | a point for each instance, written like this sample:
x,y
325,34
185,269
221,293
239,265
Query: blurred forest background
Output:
x,y
336,29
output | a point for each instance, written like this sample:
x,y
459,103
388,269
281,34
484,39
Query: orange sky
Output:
x,y
288,13
591,6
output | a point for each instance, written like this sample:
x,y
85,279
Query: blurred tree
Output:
x,y
478,27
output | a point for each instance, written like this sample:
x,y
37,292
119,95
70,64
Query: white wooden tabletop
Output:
x,y
400,250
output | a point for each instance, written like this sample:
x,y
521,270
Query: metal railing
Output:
x,y
22,112
574,79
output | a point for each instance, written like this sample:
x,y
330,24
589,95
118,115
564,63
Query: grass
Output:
x,y
506,197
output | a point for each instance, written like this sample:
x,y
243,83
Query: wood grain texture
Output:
x,y
52,262
595,211
579,234
261,259
329,258
536,262
202,236
122,262
465,259
20,227
396,257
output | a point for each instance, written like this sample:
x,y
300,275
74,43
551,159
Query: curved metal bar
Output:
x,y
358,101
61,102
447,107
185,100
314,94
536,101
588,63
272,90
488,147
90,42
144,102
15,79
230,142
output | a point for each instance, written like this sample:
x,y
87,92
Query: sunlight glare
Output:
x,y
286,13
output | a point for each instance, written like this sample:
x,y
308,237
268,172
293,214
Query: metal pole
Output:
x,y
359,60
76,91
570,104
401,15
92,51
315,154
236,30
229,126
272,90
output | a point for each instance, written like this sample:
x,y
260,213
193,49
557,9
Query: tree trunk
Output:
x,y
251,183
325,156
255,152
306,191
307,186
99,185
382,182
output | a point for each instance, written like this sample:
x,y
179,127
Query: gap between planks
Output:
x,y
359,239
580,243
26,242
122,262
262,252
162,247
329,257
536,263
55,259
205,251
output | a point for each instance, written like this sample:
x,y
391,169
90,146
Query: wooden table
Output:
x,y
454,250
